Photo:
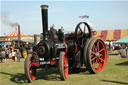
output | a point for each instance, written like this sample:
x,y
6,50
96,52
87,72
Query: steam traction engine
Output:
x,y
69,51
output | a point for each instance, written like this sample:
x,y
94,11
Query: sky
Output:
x,y
104,15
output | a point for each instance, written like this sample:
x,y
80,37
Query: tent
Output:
x,y
112,35
122,41
15,34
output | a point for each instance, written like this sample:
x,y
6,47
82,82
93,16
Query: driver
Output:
x,y
53,33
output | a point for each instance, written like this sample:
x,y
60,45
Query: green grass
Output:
x,y
115,73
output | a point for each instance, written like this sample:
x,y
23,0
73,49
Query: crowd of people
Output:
x,y
9,52
121,49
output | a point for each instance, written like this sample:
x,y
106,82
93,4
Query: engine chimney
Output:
x,y
44,9
19,36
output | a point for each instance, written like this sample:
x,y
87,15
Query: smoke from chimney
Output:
x,y
5,20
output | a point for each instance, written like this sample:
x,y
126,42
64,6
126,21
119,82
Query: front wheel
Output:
x,y
30,71
63,66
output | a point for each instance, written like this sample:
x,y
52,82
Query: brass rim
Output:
x,y
44,6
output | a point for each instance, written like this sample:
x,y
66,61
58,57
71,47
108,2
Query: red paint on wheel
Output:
x,y
66,66
98,55
32,70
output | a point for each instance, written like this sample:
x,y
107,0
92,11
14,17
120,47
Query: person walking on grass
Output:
x,y
7,53
18,55
122,52
3,55
127,50
14,55
1,60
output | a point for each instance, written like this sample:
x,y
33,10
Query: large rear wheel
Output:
x,y
63,66
95,55
30,71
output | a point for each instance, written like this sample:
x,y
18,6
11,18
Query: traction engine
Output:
x,y
67,52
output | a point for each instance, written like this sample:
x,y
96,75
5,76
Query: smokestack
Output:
x,y
44,10
18,35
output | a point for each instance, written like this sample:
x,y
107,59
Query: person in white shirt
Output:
x,y
13,55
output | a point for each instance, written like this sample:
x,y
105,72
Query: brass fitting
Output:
x,y
44,6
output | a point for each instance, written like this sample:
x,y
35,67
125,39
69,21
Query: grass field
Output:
x,y
115,73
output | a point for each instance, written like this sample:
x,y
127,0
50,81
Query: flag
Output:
x,y
85,16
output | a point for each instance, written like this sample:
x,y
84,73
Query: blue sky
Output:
x,y
103,14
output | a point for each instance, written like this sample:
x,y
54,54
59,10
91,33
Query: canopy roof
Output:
x,y
122,41
112,35
15,34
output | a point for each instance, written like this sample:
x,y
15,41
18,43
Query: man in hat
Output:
x,y
53,33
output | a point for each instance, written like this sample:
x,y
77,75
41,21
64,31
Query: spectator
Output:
x,y
122,52
10,52
7,53
14,55
1,60
127,50
18,55
3,55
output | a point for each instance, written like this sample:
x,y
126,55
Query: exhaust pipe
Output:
x,y
44,10
19,36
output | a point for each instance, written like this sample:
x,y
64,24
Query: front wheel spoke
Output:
x,y
30,72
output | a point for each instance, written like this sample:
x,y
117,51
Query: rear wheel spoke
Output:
x,y
102,60
93,53
101,50
98,47
93,58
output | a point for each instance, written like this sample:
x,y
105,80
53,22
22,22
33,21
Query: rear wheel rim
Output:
x,y
98,55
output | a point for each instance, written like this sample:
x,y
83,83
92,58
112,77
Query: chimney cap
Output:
x,y
44,6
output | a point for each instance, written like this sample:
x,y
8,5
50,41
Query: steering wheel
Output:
x,y
82,32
